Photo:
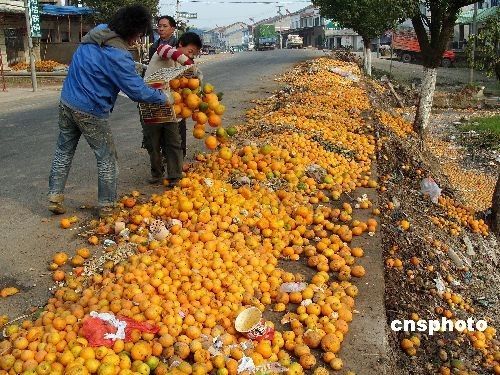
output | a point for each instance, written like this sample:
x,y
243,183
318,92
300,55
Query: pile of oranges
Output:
x,y
204,106
228,247
223,252
396,123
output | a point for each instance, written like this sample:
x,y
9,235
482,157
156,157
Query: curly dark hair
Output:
x,y
189,38
131,21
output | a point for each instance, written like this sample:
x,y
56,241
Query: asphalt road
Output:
x,y
29,235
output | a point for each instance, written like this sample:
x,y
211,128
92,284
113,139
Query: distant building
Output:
x,y
62,28
235,36
463,28
338,37
213,37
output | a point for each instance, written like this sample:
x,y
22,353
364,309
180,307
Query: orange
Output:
x,y
83,252
65,223
214,120
264,348
192,101
201,118
177,97
213,103
60,258
141,350
177,109
220,109
208,88
211,142
186,112
198,133
58,275
183,82
225,153
193,83
175,84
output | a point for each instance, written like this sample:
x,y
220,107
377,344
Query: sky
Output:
x,y
213,13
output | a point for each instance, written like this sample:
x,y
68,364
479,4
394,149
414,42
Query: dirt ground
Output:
x,y
431,249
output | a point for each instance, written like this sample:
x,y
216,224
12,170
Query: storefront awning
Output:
x,y
57,10
466,17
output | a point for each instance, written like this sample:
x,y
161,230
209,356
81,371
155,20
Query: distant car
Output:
x,y
208,50
294,41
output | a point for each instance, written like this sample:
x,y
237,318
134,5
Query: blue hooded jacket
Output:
x,y
100,68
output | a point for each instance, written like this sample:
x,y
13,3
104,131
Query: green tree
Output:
x,y
105,9
433,21
487,47
369,18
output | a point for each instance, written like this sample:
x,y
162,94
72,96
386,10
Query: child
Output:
x,y
169,139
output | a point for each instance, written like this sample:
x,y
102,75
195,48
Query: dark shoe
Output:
x,y
56,204
172,183
154,180
56,208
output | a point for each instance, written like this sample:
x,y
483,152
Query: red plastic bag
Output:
x,y
105,329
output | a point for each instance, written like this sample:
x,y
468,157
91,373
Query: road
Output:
x,y
29,236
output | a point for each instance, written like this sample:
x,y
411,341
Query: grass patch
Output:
x,y
487,129
484,124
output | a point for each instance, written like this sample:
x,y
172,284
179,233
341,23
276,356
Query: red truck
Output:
x,y
405,46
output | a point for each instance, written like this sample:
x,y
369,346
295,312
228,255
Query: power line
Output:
x,y
245,2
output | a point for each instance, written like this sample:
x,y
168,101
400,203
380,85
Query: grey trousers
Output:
x,y
97,132
165,145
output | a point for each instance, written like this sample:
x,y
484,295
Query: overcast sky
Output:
x,y
212,13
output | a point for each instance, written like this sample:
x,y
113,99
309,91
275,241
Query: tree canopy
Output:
x,y
369,18
487,48
105,9
433,21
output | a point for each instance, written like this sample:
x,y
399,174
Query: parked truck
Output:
x,y
264,37
405,45
294,41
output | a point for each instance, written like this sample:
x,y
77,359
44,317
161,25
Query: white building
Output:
x,y
338,37
232,36
464,28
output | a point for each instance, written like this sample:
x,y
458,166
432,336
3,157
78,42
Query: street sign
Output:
x,y
189,16
34,16
333,26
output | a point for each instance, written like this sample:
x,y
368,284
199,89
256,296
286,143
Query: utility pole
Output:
x,y
474,31
30,47
177,6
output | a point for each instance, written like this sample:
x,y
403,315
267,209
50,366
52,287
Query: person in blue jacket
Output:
x,y
100,68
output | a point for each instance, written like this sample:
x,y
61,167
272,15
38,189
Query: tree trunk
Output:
x,y
364,59
425,101
369,62
367,57
495,208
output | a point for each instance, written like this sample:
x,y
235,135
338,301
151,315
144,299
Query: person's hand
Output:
x,y
170,97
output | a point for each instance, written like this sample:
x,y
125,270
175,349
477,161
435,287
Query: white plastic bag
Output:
x,y
292,287
429,186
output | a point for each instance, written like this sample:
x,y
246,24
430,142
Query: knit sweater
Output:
x,y
166,52
166,57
